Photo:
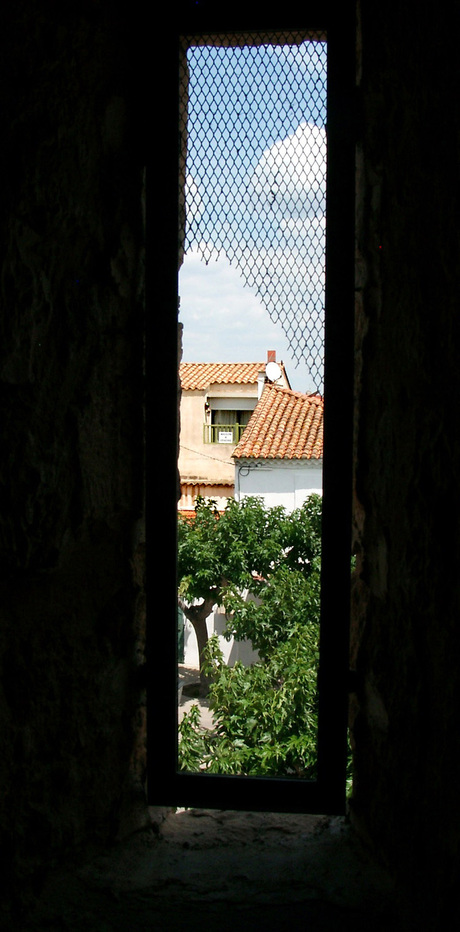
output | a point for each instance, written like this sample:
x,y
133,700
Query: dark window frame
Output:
x,y
166,786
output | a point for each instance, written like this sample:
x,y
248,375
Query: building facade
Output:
x,y
280,456
217,402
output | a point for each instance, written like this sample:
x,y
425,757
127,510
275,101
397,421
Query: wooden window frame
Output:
x,y
167,786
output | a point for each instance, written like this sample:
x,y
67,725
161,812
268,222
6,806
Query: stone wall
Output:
x,y
71,457
405,638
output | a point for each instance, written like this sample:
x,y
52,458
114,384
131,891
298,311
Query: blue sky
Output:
x,y
255,206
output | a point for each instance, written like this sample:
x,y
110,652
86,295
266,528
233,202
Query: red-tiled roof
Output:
x,y
284,425
199,375
187,513
195,483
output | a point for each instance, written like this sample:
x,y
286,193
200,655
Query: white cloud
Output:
x,y
224,321
290,177
193,199
224,318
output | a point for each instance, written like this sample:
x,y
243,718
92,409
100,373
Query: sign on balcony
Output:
x,y
225,436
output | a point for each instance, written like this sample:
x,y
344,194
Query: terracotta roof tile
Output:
x,y
200,375
187,513
195,482
284,425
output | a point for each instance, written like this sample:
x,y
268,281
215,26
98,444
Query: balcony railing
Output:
x,y
222,433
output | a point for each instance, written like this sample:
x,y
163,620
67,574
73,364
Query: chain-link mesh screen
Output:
x,y
255,176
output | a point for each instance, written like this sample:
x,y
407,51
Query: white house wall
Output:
x,y
232,650
281,482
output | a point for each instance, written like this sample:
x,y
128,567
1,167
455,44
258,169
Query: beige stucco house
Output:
x,y
217,400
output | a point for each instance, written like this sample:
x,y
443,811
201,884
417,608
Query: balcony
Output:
x,y
223,433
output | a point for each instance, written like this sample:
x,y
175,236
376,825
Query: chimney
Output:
x,y
271,355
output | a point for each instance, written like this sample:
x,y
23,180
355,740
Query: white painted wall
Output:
x,y
279,482
232,650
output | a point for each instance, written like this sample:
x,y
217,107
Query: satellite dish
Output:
x,y
272,371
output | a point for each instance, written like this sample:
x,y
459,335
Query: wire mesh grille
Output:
x,y
255,174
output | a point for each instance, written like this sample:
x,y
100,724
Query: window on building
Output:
x,y
321,332
227,419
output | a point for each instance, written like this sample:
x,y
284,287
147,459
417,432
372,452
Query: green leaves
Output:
x,y
263,566
245,545
286,600
265,715
192,743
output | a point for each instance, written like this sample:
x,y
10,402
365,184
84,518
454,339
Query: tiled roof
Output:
x,y
199,375
187,513
195,483
284,425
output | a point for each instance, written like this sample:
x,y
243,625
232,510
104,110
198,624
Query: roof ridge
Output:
x,y
312,396
195,376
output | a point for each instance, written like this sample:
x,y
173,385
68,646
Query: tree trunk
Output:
x,y
201,632
197,615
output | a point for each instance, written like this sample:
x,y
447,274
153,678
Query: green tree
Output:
x,y
221,555
219,552
265,715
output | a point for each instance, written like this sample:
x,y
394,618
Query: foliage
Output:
x,y
192,746
220,555
265,715
285,603
217,549
287,593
